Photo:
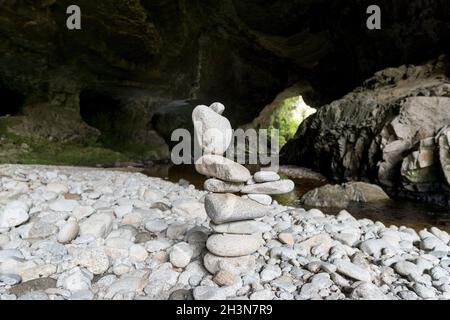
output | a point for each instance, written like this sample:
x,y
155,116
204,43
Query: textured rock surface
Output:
x,y
222,168
223,208
386,131
152,62
340,195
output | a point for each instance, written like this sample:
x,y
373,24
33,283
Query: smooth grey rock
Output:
x,y
241,227
157,225
68,232
14,214
217,107
99,225
374,247
352,270
266,176
424,291
181,254
76,279
222,168
265,294
212,131
209,293
237,265
233,245
181,294
157,245
367,291
34,295
216,185
82,295
270,188
263,199
64,205
223,208
270,272
40,229
407,268
10,279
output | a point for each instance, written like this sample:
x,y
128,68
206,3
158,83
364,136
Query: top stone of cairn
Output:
x,y
212,131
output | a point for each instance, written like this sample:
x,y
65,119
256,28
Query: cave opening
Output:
x,y
288,116
106,113
11,102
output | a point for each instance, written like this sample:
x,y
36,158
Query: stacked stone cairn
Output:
x,y
237,233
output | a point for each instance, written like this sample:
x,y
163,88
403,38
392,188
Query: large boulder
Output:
x,y
340,196
385,131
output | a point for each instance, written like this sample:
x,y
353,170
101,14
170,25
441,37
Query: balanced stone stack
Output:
x,y
236,232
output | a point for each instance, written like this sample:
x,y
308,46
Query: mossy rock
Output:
x,y
286,112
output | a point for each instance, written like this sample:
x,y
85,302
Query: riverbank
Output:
x,y
83,233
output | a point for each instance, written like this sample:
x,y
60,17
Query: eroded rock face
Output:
x,y
146,61
390,131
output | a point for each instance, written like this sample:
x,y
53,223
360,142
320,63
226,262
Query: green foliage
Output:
x,y
287,117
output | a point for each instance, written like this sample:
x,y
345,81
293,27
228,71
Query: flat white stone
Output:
x,y
241,227
68,232
263,199
64,205
15,213
181,254
266,176
98,225
233,245
216,185
222,168
275,187
227,207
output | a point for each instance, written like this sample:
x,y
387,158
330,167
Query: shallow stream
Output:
x,y
392,212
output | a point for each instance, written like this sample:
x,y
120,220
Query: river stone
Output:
x,y
263,199
217,107
181,294
241,227
236,265
209,293
216,185
227,207
15,213
64,205
10,279
57,188
99,225
367,291
407,268
374,247
265,176
222,168
68,232
275,187
40,229
352,270
40,284
233,245
157,225
212,131
181,254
